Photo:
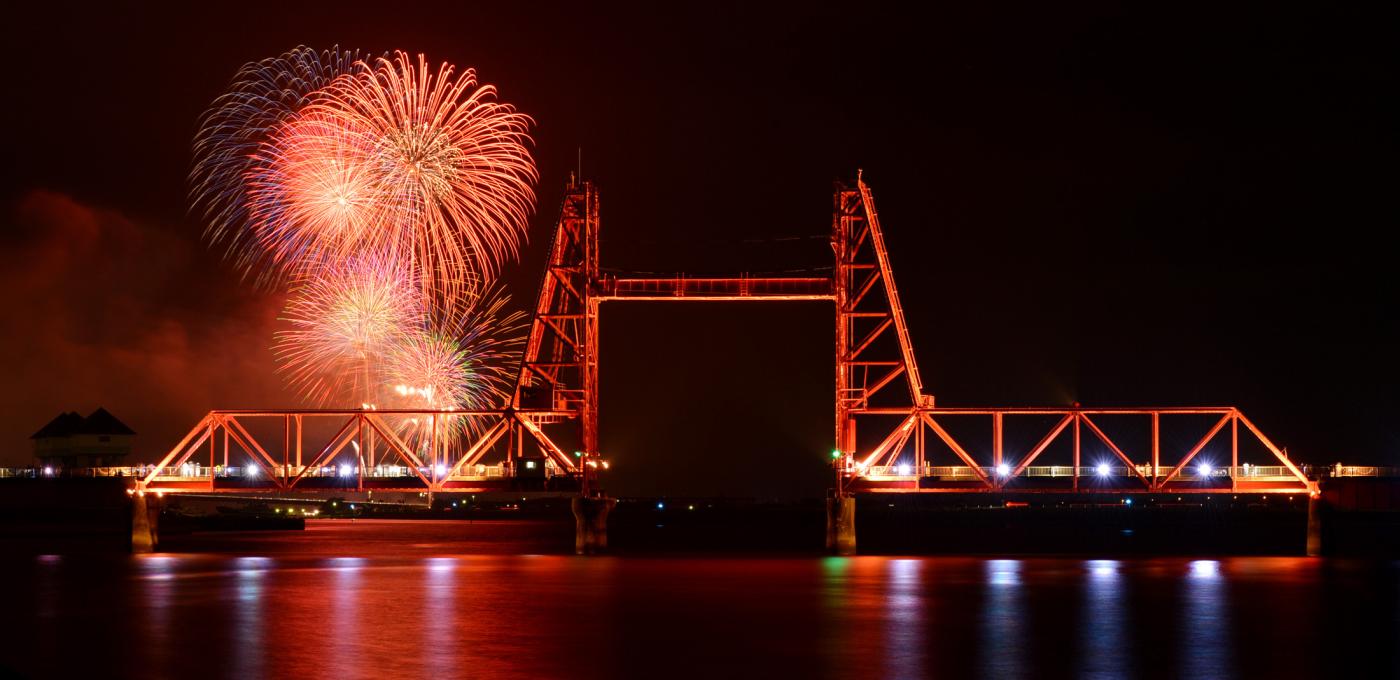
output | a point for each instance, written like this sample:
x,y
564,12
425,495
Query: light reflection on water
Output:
x,y
439,597
1104,650
249,615
1205,623
904,621
1002,620
440,615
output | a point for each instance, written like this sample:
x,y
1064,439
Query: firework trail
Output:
x,y
342,323
262,96
405,162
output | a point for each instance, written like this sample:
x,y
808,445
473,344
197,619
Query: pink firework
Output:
x,y
263,96
404,162
343,322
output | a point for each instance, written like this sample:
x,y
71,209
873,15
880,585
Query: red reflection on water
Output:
x,y
411,599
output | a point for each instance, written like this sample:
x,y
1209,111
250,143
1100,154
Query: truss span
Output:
x,y
888,434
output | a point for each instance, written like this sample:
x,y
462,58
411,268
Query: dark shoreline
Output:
x,y
91,516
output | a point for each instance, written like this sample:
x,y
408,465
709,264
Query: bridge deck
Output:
x,y
717,289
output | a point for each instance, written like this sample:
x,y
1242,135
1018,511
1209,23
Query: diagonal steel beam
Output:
x,y
546,443
246,440
397,445
1195,450
1044,444
900,434
182,446
1114,447
957,449
1311,485
331,449
483,443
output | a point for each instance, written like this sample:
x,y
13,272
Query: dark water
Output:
x,y
445,599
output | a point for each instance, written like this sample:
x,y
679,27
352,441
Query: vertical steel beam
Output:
x,y
213,451
996,447
840,242
286,444
919,459
1234,450
1077,417
1156,449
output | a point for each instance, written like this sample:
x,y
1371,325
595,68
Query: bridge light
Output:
x,y
903,469
1102,469
48,471
441,469
251,471
1003,469
835,453
345,471
529,465
660,505
1127,501
1204,469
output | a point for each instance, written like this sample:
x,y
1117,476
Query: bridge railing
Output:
x,y
196,472
1263,473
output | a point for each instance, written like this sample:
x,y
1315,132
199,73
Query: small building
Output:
x,y
70,440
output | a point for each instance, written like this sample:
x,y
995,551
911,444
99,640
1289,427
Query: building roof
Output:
x,y
68,424
61,426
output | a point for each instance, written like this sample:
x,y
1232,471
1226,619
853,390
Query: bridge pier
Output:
x,y
145,522
591,524
841,525
1316,510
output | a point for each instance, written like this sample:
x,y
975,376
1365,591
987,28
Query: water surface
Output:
x,y
448,599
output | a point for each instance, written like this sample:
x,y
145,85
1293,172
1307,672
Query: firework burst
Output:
x,y
343,323
262,96
413,164
455,364
386,194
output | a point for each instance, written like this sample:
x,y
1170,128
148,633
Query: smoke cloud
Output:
x,y
109,310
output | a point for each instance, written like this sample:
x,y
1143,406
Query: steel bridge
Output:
x,y
888,435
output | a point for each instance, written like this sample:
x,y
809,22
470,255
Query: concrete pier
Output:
x,y
1316,509
145,522
841,525
591,524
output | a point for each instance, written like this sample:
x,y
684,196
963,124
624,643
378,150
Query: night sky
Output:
x,y
1115,206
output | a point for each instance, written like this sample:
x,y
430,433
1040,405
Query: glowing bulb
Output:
x,y
1102,469
345,471
904,468
1204,469
1003,469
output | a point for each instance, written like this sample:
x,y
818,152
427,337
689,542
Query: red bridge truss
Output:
x,y
877,387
